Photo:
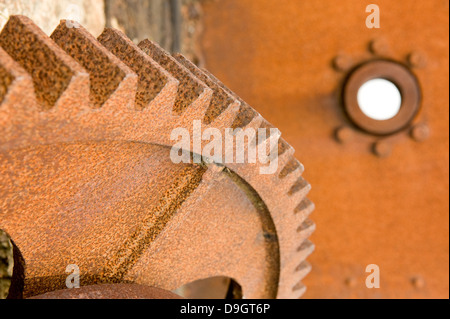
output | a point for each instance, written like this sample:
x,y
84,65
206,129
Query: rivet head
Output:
x,y
416,60
343,134
420,132
342,63
379,47
382,149
350,281
418,282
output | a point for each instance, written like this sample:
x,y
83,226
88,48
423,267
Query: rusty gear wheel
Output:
x,y
86,178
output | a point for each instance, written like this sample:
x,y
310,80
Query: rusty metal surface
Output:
x,y
110,291
86,177
382,200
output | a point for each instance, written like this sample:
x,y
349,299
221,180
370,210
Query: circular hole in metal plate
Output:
x,y
379,99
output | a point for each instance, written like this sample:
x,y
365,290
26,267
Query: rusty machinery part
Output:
x,y
386,210
110,291
86,177
398,74
378,63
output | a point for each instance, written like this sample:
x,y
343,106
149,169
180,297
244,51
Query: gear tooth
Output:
x,y
17,99
306,228
110,79
303,269
291,179
246,113
299,289
293,165
226,118
300,188
54,73
156,86
14,80
306,249
283,147
6,78
265,125
304,209
284,154
192,93
221,99
245,116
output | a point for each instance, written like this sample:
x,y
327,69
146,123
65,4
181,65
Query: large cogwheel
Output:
x,y
86,178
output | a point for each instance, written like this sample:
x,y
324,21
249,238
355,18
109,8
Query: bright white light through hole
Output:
x,y
379,99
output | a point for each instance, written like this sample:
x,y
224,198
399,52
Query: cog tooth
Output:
x,y
245,116
306,228
226,118
306,249
110,79
285,154
291,178
264,126
246,113
300,188
221,99
56,76
6,78
156,88
283,147
298,268
303,269
297,192
293,166
14,81
304,209
17,99
192,93
254,123
299,290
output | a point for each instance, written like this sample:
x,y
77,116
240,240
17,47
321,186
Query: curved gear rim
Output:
x,y
188,93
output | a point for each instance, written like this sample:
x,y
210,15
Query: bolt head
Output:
x,y
382,149
343,134
379,47
420,132
351,281
342,63
418,282
416,60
